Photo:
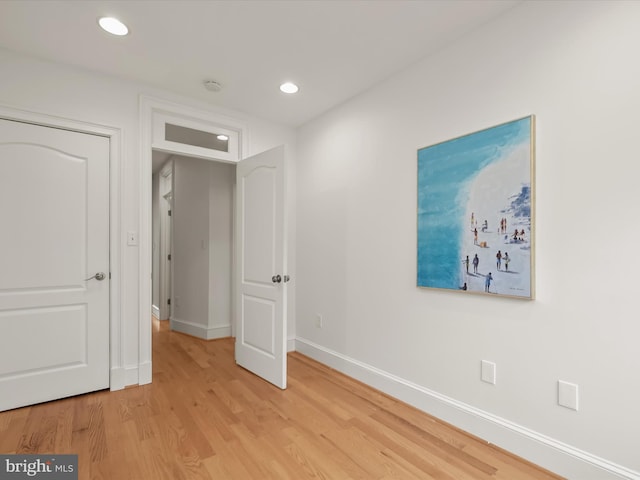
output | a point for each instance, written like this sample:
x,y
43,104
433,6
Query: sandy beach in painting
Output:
x,y
485,175
500,191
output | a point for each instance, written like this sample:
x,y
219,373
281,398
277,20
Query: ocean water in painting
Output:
x,y
446,175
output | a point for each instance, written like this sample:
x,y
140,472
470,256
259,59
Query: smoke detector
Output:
x,y
212,85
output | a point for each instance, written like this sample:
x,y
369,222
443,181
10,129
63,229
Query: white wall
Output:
x,y
202,247
575,66
47,88
222,178
190,246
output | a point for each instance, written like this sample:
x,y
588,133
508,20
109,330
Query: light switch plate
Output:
x,y
132,238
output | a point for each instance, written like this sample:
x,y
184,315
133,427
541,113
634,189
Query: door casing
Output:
x,y
165,207
151,109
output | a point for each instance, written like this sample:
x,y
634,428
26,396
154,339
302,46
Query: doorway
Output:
x,y
193,212
262,319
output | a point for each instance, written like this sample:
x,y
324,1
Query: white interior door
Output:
x,y
261,278
54,212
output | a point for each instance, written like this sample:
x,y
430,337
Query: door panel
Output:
x,y
54,204
53,324
31,263
261,307
259,324
260,187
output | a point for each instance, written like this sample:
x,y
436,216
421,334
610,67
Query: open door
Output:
x,y
261,263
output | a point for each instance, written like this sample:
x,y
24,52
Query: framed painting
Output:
x,y
476,210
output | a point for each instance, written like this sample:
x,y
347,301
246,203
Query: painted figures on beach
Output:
x,y
475,202
487,282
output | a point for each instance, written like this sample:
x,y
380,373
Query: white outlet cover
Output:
x,y
568,395
488,372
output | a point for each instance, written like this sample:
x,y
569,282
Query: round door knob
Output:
x,y
276,279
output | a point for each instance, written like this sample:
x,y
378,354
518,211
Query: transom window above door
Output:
x,y
196,138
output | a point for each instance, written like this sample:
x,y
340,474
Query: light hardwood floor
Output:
x,y
205,418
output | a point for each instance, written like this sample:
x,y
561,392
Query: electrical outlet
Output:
x,y
318,320
488,372
568,395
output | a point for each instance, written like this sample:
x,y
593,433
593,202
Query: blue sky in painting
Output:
x,y
445,172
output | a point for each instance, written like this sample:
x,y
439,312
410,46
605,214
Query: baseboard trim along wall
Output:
x,y
547,452
200,331
122,377
145,373
155,311
130,375
117,379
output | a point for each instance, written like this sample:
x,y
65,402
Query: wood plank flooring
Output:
x,y
205,418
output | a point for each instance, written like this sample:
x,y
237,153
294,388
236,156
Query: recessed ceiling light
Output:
x,y
113,26
222,137
289,87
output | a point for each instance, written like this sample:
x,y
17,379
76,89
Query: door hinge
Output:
x,y
169,212
168,301
169,257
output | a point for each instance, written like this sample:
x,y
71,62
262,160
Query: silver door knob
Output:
x,y
98,276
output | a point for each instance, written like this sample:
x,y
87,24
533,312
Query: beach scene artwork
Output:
x,y
475,210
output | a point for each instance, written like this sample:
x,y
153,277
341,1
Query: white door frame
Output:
x,y
116,340
153,112
165,206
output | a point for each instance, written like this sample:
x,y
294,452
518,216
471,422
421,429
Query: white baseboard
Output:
x,y
291,344
117,379
131,375
155,311
145,373
200,331
547,452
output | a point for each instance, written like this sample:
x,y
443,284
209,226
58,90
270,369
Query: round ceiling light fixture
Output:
x,y
212,85
113,26
289,87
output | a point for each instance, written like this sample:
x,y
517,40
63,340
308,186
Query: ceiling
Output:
x,y
333,49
